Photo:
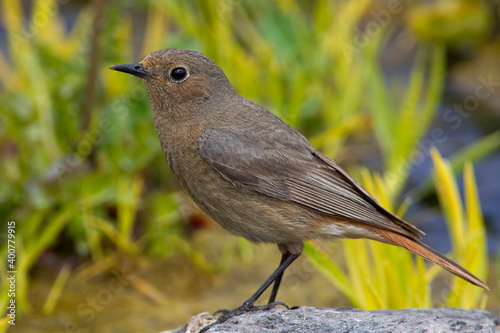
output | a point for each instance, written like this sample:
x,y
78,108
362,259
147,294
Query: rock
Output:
x,y
309,319
196,323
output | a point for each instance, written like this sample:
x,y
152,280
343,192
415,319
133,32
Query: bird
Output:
x,y
255,175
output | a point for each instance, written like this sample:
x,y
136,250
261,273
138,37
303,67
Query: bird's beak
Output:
x,y
134,69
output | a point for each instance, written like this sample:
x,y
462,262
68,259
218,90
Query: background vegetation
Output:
x,y
83,175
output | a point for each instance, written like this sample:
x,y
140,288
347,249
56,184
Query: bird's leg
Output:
x,y
277,282
248,305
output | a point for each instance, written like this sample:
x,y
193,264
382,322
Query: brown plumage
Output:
x,y
254,174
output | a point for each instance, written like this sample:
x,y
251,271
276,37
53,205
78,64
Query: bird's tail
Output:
x,y
426,252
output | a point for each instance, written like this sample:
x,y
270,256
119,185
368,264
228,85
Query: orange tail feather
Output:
x,y
426,252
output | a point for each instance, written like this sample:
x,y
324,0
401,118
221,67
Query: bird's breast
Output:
x,y
239,210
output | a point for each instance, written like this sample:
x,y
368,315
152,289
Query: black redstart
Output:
x,y
254,174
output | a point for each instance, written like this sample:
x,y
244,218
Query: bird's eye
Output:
x,y
178,73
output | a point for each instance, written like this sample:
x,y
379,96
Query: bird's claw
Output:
x,y
272,305
245,307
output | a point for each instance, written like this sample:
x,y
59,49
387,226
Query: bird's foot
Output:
x,y
245,307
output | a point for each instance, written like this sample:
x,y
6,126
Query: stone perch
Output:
x,y
310,319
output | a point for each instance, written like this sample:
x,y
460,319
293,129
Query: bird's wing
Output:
x,y
286,167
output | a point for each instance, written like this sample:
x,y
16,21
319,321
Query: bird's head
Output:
x,y
176,78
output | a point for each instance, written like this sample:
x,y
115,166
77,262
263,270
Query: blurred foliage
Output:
x,y
455,23
467,231
96,177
